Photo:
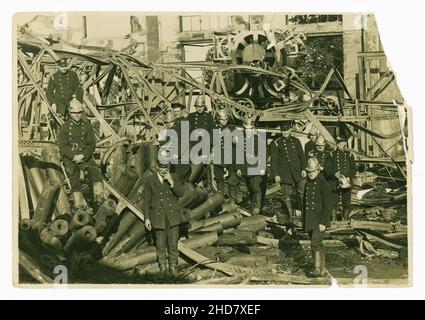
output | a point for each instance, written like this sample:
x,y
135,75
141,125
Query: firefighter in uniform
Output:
x,y
77,143
316,213
182,170
254,182
311,144
320,152
341,170
287,165
201,119
220,167
163,214
64,85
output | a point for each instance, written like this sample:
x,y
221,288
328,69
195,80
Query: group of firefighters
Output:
x,y
319,176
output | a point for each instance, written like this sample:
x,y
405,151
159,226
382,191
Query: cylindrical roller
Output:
x,y
212,203
196,171
254,223
104,215
125,224
81,219
135,194
47,237
126,182
126,261
60,228
79,202
46,202
134,235
215,227
192,195
228,220
36,174
50,156
81,239
27,225
119,158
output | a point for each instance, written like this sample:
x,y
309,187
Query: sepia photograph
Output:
x,y
208,149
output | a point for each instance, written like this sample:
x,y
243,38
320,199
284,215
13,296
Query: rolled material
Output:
x,y
47,237
82,239
254,223
81,219
237,237
192,195
136,233
126,181
215,227
196,171
104,215
228,220
212,203
126,261
27,225
60,228
125,224
50,155
44,210
119,159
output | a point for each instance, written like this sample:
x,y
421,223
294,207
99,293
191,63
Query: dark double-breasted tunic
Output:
x,y
317,204
160,202
287,159
62,88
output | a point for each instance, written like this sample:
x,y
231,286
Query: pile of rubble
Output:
x,y
221,242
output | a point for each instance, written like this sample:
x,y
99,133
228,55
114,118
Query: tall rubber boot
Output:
x,y
288,204
79,201
317,257
346,214
333,215
323,261
256,203
233,194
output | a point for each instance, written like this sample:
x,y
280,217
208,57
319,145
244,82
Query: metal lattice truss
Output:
x,y
128,98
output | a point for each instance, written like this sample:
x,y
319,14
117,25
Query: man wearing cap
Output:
x,y
252,159
64,85
320,152
287,164
341,170
163,214
311,144
316,213
77,142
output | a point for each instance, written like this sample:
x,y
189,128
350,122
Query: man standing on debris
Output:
x,y
182,170
287,165
342,169
320,152
64,85
222,119
316,213
201,119
254,182
77,143
163,214
311,144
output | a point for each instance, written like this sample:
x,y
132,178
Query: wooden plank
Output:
x,y
32,269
